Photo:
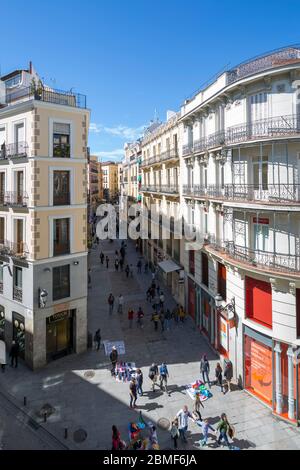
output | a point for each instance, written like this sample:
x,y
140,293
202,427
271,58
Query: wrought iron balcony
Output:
x,y
274,261
49,95
170,154
61,247
200,145
151,161
196,190
16,150
14,249
1,287
187,149
163,188
16,199
18,294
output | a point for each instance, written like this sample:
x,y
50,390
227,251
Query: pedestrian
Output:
x,y
183,421
197,405
219,376
132,393
110,301
168,317
117,443
131,270
107,261
121,262
155,319
89,278
122,252
130,317
153,439
139,381
120,303
148,294
127,270
223,428
139,266
204,369
174,432
14,354
163,376
228,374
101,257
113,359
162,299
153,374
117,253
153,275
146,267
181,314
175,313
97,339
162,319
206,427
140,316
116,264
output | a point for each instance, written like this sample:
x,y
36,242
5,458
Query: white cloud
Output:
x,y
115,155
124,132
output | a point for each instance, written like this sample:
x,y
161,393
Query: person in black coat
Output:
x,y
14,354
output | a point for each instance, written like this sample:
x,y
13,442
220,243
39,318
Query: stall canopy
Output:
x,y
169,266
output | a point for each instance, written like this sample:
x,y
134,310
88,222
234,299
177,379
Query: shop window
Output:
x,y
222,280
204,269
259,301
258,369
192,262
61,282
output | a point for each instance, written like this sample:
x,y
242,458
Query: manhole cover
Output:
x,y
89,374
80,435
47,410
163,423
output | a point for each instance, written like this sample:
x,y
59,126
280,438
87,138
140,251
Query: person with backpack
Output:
x,y
228,374
153,374
204,369
110,301
223,428
163,376
219,376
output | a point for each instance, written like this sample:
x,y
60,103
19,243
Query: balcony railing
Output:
x,y
18,294
170,154
280,126
61,248
168,189
61,150
272,193
15,150
65,98
14,249
275,261
1,287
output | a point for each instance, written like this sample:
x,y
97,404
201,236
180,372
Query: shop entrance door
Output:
x,y
59,335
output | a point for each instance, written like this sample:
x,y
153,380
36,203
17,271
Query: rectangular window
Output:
x,y
192,262
61,282
258,301
61,188
61,140
222,280
204,269
18,284
19,240
2,230
61,237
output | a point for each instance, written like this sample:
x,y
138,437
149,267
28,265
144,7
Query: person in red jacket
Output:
x,y
130,317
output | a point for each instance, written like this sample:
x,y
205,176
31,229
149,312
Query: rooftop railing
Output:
x,y
48,95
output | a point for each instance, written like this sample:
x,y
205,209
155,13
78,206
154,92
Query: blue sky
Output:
x,y
132,57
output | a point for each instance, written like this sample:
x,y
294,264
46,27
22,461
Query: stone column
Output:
x,y
278,379
291,400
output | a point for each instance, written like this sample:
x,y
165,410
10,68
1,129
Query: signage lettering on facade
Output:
x,y
58,316
261,220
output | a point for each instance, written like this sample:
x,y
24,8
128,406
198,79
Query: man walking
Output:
x,y
204,369
107,261
183,422
110,301
97,339
132,393
120,303
168,317
228,374
127,271
14,354
153,373
130,317
114,359
139,266
163,376
139,382
101,257
140,316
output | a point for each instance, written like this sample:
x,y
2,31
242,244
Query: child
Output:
x,y
197,404
206,427
175,432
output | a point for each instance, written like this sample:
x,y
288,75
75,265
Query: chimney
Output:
x,y
30,67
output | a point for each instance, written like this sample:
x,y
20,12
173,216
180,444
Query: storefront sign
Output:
x,y
223,333
58,316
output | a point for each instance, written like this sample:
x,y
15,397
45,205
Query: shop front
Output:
x,y
19,332
207,324
60,330
222,333
191,298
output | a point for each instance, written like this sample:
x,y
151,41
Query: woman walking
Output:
x,y
223,427
139,382
197,406
219,376
174,432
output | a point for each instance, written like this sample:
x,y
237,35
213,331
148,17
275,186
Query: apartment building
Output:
x,y
160,187
110,180
93,182
43,218
240,171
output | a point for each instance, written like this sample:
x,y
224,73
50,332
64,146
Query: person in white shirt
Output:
x,y
183,421
120,303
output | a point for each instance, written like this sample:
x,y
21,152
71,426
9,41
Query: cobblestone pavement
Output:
x,y
87,400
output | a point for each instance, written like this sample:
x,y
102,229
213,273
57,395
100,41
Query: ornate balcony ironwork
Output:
x,y
14,249
170,154
164,188
49,95
187,149
274,261
18,293
16,199
16,150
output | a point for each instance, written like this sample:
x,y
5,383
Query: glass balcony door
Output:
x,y
261,236
260,177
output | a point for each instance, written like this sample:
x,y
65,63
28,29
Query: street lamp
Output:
x,y
229,308
8,267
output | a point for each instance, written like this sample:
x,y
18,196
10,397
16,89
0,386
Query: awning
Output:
x,y
169,266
